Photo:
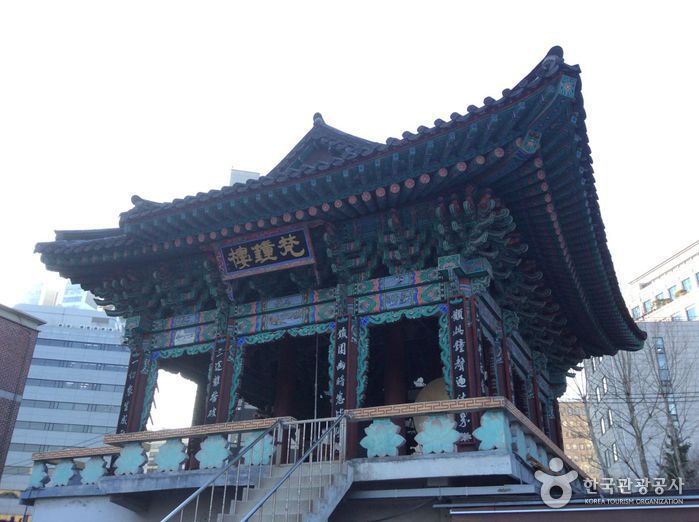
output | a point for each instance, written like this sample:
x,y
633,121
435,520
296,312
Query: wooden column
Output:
x,y
344,383
465,280
218,389
133,393
461,344
509,324
534,404
132,404
473,360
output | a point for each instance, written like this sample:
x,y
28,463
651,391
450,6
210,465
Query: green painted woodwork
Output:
x,y
131,460
171,455
262,452
213,453
266,337
172,353
519,439
151,368
94,469
445,353
331,363
63,473
437,434
362,360
530,445
235,356
385,318
382,439
494,431
39,476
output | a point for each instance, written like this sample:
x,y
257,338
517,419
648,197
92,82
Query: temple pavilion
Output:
x,y
381,282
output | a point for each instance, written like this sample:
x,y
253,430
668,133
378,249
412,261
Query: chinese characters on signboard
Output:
x,y
129,387
340,373
271,252
457,337
218,357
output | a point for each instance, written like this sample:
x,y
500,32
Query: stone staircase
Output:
x,y
309,494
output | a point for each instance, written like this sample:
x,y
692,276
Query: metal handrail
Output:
x,y
293,468
228,466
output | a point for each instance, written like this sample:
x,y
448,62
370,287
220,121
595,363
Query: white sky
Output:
x,y
102,100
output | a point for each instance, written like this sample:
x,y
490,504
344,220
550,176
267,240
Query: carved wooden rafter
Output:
x,y
404,246
351,260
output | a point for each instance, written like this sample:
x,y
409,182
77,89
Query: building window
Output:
x,y
615,452
686,285
606,458
636,312
672,291
660,296
659,344
692,313
605,387
598,394
594,363
603,426
676,316
610,417
647,306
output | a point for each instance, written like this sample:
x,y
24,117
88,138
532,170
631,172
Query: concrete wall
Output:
x,y
97,509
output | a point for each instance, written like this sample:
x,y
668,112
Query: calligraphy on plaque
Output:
x,y
129,388
265,253
340,370
216,373
459,370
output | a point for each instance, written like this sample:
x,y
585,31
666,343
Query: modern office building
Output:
x,y
60,292
73,389
577,441
669,290
643,403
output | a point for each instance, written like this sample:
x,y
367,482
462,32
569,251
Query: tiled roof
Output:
x,y
559,216
359,149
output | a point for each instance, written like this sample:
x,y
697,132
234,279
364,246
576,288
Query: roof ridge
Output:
x,y
549,66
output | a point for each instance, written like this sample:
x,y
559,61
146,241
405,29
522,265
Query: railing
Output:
x,y
502,426
324,459
291,463
147,453
211,483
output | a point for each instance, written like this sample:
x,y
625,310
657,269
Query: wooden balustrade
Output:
x,y
502,426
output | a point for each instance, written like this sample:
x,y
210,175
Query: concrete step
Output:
x,y
282,494
295,500
263,518
316,466
282,512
